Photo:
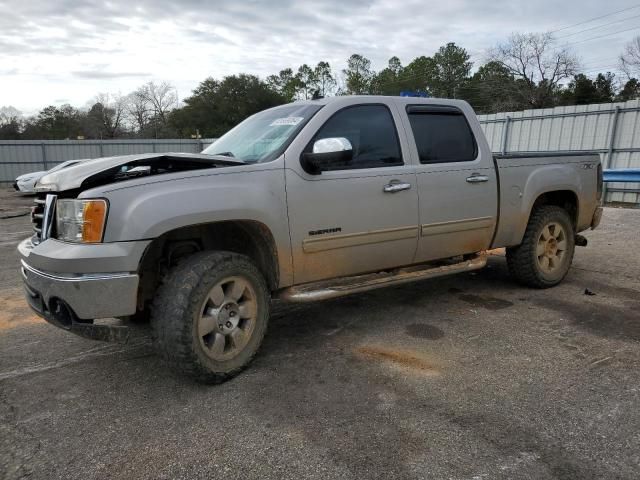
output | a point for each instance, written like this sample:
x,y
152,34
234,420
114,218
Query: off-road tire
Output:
x,y
176,306
523,261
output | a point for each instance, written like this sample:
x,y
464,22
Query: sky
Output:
x,y
66,51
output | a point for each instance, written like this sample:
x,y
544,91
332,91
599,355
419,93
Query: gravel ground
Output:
x,y
465,377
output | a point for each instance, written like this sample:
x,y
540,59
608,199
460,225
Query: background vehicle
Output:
x,y
302,202
27,182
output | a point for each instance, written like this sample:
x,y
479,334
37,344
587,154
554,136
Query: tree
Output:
x,y
326,82
583,91
10,123
217,106
534,59
106,116
161,97
138,109
54,123
307,81
630,58
630,91
388,81
358,75
491,89
452,70
285,83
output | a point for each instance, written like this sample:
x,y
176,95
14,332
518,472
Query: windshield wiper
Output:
x,y
225,154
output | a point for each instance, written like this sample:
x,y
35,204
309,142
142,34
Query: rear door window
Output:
x,y
442,134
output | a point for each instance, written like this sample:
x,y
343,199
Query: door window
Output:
x,y
372,133
442,135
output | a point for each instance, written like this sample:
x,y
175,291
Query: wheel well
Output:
x,y
246,237
562,198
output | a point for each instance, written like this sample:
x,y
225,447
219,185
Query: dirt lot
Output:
x,y
467,377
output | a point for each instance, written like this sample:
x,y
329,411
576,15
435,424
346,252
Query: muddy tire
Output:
x,y
544,257
209,316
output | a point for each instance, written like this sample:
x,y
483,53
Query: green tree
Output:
x,y
630,91
358,75
491,89
217,106
389,80
285,83
326,82
452,70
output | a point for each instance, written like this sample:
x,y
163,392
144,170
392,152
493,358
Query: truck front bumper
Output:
x,y
72,300
86,296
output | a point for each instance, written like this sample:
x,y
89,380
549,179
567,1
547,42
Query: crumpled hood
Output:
x,y
105,170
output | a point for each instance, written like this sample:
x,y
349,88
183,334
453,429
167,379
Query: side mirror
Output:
x,y
327,154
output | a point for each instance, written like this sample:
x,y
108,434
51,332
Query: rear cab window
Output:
x,y
442,134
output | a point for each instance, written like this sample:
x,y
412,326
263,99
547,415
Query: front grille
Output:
x,y
37,216
42,217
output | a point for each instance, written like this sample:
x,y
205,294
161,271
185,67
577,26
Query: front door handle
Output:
x,y
477,179
394,187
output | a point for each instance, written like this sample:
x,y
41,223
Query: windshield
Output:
x,y
263,136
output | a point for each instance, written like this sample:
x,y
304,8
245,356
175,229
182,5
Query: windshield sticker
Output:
x,y
286,121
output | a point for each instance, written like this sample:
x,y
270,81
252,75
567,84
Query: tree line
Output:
x,y
525,71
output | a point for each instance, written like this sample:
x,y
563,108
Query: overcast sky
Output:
x,y
66,51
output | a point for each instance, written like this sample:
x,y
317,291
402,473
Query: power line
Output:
x,y
597,27
602,36
595,18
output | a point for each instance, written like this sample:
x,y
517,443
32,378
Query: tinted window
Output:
x,y
442,137
372,134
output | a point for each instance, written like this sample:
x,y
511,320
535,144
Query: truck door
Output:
x,y
359,215
457,183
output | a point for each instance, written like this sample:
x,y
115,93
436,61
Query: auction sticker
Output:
x,y
286,121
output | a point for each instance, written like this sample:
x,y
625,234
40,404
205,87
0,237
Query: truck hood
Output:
x,y
102,171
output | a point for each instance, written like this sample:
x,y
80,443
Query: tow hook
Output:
x,y
581,241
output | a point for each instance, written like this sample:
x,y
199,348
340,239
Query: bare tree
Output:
x,y
139,109
9,115
109,110
630,58
539,64
162,98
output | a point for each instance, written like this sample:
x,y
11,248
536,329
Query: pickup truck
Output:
x,y
302,202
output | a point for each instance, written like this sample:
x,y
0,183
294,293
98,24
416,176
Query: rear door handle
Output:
x,y
477,179
394,187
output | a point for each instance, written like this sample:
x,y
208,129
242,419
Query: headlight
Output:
x,y
81,220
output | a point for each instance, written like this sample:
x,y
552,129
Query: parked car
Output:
x,y
302,202
26,183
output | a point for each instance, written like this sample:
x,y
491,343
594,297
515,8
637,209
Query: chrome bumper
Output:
x,y
89,296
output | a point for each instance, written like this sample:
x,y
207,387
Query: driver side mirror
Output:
x,y
328,154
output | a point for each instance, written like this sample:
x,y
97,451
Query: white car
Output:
x,y
27,182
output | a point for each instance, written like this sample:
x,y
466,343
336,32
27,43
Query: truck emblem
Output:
x,y
325,230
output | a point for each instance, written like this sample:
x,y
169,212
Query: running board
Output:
x,y
339,287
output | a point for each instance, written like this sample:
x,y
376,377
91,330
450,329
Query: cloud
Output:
x,y
98,74
74,48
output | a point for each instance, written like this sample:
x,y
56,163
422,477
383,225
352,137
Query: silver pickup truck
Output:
x,y
303,202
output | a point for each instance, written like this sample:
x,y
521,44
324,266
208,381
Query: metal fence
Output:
x,y
611,129
24,156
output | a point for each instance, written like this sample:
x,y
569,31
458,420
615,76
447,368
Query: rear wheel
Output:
x,y
544,257
210,315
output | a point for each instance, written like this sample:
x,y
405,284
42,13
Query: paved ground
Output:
x,y
468,377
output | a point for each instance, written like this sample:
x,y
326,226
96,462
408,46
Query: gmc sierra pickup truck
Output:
x,y
302,202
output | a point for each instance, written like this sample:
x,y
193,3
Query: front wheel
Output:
x,y
544,257
210,315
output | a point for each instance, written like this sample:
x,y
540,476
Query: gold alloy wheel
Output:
x,y
551,248
227,318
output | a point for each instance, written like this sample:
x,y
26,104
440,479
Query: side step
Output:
x,y
339,287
